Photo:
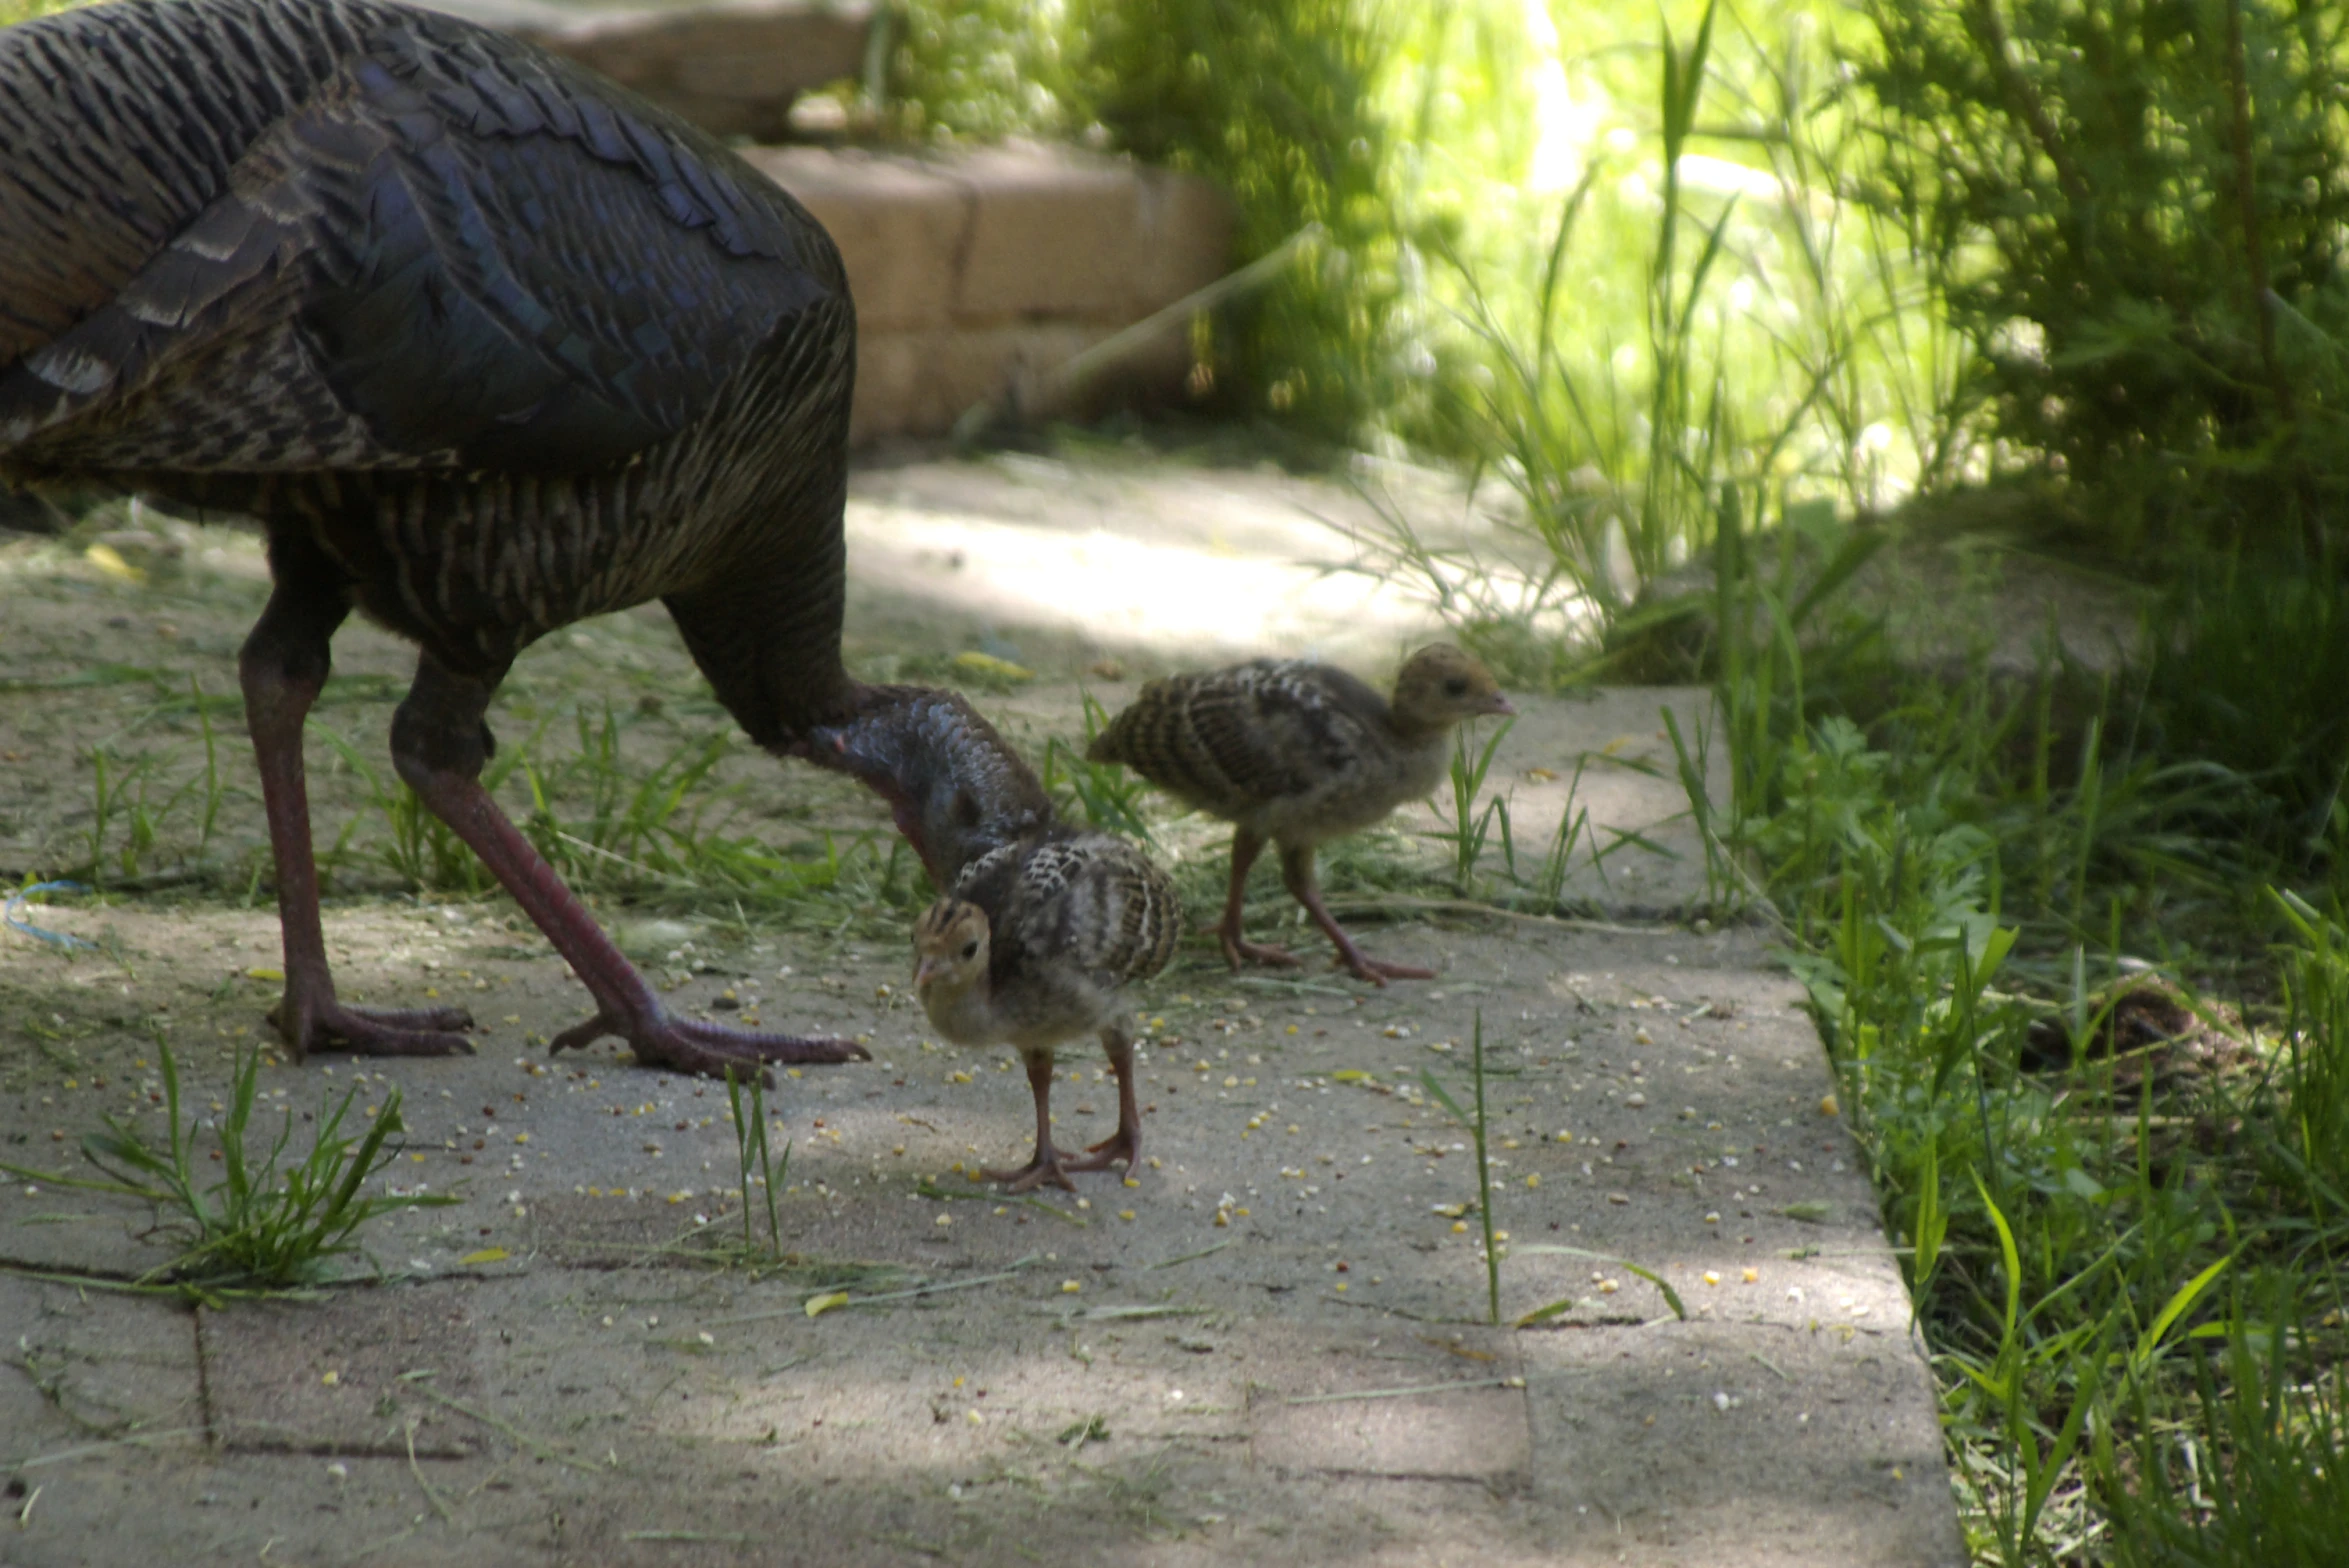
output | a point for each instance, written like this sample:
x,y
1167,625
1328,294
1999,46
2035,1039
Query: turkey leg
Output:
x,y
283,667
1126,1142
1237,949
439,744
1297,872
1047,1164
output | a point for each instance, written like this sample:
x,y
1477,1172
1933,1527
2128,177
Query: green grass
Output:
x,y
746,1106
2114,1260
1476,1126
620,806
270,1222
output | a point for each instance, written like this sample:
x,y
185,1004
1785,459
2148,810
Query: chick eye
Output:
x,y
970,949
1457,686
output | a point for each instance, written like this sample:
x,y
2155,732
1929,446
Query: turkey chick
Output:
x,y
1031,950
1299,753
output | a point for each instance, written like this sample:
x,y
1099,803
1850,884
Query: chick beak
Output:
x,y
925,972
1498,706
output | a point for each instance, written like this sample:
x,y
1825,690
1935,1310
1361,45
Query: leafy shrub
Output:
x,y
1274,103
2136,212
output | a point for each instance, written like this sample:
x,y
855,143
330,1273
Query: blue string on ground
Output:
x,y
16,922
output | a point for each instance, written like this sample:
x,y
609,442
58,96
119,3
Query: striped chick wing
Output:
x,y
1085,910
1231,741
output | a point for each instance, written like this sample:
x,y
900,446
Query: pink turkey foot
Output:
x,y
1122,1143
688,1045
625,1006
1048,1165
314,1027
1238,950
1377,971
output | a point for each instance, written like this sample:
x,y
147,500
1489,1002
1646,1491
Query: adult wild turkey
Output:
x,y
487,345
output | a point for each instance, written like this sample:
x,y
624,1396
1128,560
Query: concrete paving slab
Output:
x,y
323,1379
1401,1406
92,1369
1736,1443
591,1374
1156,1386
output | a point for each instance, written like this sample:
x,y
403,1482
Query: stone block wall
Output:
x,y
977,274
732,67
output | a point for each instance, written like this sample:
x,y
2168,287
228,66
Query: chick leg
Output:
x,y
1246,846
1047,1165
283,667
1127,1140
1297,872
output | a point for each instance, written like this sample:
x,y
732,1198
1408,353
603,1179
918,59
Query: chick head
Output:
x,y
1439,686
950,948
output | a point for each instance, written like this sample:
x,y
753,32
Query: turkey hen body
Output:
x,y
485,343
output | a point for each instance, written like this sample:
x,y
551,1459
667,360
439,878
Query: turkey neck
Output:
x,y
956,788
1416,739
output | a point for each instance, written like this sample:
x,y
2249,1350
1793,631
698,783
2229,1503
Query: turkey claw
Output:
x,y
1378,972
1043,1168
372,1031
689,1045
1101,1156
1239,950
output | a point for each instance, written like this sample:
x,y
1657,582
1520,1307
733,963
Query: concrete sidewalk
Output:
x,y
1277,1345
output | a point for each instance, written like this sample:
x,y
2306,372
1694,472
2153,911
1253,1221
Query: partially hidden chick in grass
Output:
x,y
1300,753
1032,950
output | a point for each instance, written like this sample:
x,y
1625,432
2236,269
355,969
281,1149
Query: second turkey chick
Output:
x,y
1299,753
1031,950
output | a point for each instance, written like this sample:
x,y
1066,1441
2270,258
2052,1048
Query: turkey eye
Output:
x,y
970,949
